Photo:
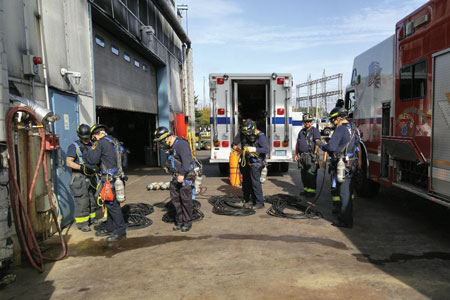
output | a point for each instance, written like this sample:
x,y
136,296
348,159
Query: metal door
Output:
x,y
235,113
67,107
385,131
440,165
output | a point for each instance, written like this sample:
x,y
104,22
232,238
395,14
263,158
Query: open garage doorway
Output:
x,y
134,130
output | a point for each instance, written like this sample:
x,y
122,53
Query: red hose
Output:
x,y
28,241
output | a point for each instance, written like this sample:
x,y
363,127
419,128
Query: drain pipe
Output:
x,y
44,59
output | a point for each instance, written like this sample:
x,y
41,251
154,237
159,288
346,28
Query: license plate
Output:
x,y
280,152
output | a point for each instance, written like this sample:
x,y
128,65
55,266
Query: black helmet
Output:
x,y
340,103
161,133
307,118
248,127
97,128
84,131
338,112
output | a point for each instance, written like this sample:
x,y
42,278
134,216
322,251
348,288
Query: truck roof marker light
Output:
x,y
280,80
220,80
285,143
280,111
221,111
225,144
276,144
274,76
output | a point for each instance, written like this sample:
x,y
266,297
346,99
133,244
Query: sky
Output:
x,y
300,37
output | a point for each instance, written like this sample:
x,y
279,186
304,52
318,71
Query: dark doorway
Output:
x,y
134,130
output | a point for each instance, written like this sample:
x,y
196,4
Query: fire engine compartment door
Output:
x,y
440,164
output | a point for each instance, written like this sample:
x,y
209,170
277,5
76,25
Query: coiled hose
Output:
x,y
280,202
226,205
21,210
135,215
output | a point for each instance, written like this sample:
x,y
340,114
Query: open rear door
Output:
x,y
235,114
440,164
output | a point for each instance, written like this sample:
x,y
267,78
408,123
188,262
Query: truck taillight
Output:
x,y
280,80
220,80
276,144
221,111
285,143
216,144
225,144
280,111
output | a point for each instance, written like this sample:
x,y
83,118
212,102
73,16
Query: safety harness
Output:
x,y
349,158
118,148
195,168
306,160
78,152
247,157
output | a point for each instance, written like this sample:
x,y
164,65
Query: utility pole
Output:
x,y
204,99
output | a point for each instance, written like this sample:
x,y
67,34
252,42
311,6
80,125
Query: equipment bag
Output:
x,y
106,193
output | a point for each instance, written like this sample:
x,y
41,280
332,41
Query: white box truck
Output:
x,y
264,98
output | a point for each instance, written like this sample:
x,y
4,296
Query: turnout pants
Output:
x,y
309,180
181,197
85,203
114,221
251,184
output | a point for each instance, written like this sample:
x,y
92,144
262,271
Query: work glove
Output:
x,y
88,171
251,149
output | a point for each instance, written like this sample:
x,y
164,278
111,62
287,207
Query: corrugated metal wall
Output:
x,y
120,83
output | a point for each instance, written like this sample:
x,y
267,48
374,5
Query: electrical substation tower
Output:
x,y
324,95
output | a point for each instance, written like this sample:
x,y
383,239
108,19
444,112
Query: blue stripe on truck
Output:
x,y
220,120
280,120
297,123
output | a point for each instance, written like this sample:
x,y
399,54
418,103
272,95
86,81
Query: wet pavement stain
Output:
x,y
400,257
287,239
91,247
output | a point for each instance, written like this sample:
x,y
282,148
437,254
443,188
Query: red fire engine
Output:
x,y
400,100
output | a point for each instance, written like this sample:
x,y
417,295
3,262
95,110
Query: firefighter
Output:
x,y
307,155
343,149
80,184
181,165
252,144
104,154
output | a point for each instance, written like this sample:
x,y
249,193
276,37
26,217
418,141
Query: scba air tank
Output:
x,y
263,177
120,190
340,170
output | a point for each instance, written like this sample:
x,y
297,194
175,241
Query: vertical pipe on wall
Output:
x,y
40,20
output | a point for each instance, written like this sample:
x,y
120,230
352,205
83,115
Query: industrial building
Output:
x,y
123,63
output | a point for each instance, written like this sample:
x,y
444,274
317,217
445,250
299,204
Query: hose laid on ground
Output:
x,y
282,201
226,205
169,216
134,215
21,210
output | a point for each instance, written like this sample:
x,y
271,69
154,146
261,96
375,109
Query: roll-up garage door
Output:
x,y
123,78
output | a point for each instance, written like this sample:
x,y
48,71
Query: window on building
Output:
x,y
99,41
114,50
413,81
137,63
144,67
126,57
